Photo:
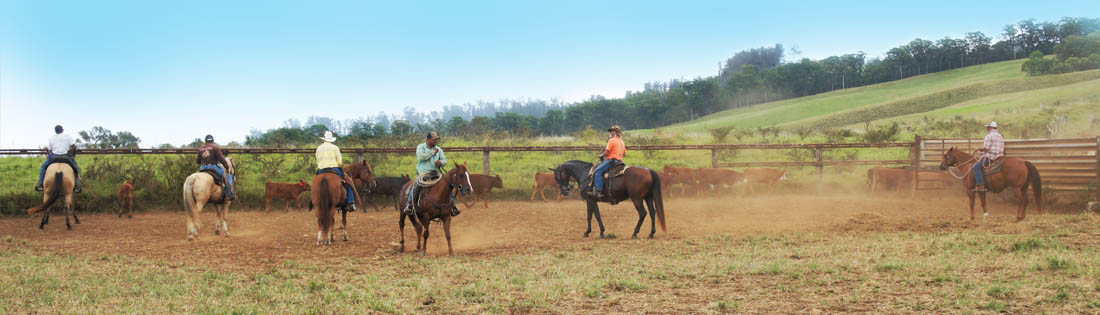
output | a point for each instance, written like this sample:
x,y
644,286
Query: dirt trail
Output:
x,y
261,241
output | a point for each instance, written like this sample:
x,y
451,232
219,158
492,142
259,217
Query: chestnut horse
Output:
x,y
328,194
638,183
198,190
126,199
435,204
1016,174
59,186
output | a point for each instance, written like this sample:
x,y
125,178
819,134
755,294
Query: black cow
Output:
x,y
386,186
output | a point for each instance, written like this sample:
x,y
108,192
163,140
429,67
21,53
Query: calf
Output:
x,y
481,185
285,191
126,199
762,175
542,181
889,177
386,186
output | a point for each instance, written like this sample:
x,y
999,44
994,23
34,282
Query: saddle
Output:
x,y
995,166
617,169
218,179
332,170
61,159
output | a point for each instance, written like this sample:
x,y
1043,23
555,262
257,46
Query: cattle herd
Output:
x,y
680,180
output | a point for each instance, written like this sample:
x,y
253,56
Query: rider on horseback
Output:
x,y
61,145
329,159
613,154
211,158
993,147
430,159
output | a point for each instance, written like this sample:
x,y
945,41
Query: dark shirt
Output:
x,y
210,154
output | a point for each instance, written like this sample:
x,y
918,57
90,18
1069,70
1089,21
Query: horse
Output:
x,y
126,199
1015,173
328,193
386,186
435,205
59,186
199,189
640,184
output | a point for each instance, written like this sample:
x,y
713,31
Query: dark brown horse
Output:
x,y
435,205
1016,174
640,184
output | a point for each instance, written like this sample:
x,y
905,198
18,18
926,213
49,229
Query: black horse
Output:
x,y
638,184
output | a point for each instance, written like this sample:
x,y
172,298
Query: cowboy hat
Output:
x,y
616,128
328,137
433,135
992,124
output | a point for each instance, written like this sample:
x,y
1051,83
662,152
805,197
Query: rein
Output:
x,y
968,169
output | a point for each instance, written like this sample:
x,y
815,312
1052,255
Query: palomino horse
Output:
x,y
435,205
328,193
199,190
638,183
56,187
1015,173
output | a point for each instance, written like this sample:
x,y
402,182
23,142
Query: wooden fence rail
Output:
x,y
1067,164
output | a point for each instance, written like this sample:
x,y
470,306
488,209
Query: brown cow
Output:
x,y
285,191
481,185
719,177
669,179
126,199
685,176
889,177
762,175
541,182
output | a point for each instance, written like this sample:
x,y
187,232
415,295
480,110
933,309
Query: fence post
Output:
x,y
820,170
1098,169
359,155
485,161
917,154
714,158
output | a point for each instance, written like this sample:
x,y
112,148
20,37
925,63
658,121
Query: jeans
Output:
x,y
76,169
221,172
979,173
339,171
597,177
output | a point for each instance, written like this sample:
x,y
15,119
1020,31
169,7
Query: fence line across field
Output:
x,y
1070,162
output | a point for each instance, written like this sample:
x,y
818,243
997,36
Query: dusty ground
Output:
x,y
260,241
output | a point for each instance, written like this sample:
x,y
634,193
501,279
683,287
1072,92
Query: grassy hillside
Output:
x,y
967,91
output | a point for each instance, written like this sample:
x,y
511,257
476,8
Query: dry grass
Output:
x,y
756,255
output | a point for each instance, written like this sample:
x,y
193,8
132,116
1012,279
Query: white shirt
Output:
x,y
60,143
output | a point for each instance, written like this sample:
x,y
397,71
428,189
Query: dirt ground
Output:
x,y
259,241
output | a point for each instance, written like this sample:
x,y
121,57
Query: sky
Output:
x,y
173,71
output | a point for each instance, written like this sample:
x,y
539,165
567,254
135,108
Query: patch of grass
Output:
x,y
723,306
886,267
1057,264
994,306
1000,292
1028,245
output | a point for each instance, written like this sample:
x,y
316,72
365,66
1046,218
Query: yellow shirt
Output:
x,y
328,155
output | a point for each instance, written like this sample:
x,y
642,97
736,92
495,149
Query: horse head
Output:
x,y
459,177
948,159
367,175
562,175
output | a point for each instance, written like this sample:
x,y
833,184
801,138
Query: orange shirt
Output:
x,y
616,149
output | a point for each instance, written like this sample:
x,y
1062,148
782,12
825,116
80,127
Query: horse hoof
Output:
x,y
585,234
129,217
635,236
69,227
452,255
651,237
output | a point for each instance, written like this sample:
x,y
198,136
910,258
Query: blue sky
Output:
x,y
173,71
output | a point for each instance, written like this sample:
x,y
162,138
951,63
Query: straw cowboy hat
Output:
x,y
328,137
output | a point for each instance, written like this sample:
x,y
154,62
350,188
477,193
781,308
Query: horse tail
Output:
x,y
1037,184
658,201
189,196
58,181
325,215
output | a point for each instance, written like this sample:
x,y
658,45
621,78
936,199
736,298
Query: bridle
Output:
x,y
968,170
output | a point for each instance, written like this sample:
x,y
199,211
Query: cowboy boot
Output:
x,y
455,211
38,187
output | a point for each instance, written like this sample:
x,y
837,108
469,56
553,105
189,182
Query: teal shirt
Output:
x,y
425,160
